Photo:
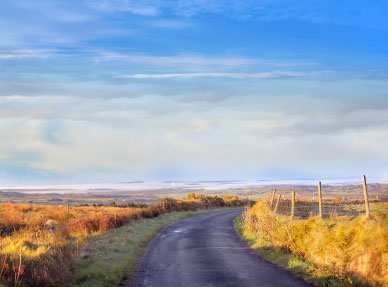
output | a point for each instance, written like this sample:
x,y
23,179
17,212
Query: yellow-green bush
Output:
x,y
355,251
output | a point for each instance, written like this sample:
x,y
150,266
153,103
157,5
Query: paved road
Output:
x,y
204,251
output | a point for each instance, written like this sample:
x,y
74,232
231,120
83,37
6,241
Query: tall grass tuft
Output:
x,y
38,243
355,251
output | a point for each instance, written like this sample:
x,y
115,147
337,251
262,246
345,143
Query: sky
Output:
x,y
118,90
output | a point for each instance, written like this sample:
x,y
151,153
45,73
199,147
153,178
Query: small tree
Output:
x,y
336,200
191,196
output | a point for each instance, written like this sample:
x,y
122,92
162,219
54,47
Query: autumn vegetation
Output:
x,y
39,243
340,251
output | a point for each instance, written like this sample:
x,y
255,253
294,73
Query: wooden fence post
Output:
x,y
277,203
272,197
68,208
320,199
293,204
367,211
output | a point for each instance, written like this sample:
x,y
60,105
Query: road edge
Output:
x,y
277,257
130,278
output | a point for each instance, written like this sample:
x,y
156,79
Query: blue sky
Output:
x,y
107,91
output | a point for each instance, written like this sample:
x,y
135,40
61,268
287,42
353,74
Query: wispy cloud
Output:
x,y
170,24
135,7
264,10
274,74
71,17
196,61
24,54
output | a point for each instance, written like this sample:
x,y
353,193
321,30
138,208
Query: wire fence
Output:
x,y
322,208
305,209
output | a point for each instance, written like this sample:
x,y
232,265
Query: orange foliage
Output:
x,y
39,242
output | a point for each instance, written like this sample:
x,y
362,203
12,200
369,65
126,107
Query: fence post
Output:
x,y
293,204
320,199
272,197
367,212
277,203
68,208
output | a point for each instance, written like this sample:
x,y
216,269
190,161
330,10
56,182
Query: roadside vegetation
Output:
x,y
111,258
39,244
340,251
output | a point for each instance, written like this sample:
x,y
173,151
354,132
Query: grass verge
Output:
x,y
111,258
339,251
301,268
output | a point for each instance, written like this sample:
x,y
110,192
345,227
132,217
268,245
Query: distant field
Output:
x,y
103,196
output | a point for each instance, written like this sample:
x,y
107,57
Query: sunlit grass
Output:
x,y
336,252
39,243
109,258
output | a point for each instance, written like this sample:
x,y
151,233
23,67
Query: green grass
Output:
x,y
111,258
280,257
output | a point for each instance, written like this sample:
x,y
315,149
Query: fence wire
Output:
x,y
305,209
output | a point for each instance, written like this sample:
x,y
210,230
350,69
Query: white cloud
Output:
x,y
143,8
274,74
71,17
25,54
171,24
195,62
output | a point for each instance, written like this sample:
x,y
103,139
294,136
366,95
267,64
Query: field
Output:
x,y
105,196
39,243
338,251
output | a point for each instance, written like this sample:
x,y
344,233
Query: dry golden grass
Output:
x,y
353,250
38,243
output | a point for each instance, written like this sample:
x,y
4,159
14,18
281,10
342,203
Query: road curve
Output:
x,y
204,250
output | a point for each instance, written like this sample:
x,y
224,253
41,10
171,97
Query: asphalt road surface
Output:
x,y
204,250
